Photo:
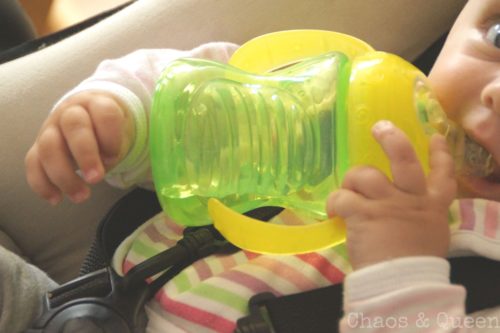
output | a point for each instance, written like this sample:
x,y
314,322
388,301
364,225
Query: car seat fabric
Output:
x,y
31,44
57,239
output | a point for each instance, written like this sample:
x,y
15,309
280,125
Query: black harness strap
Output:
x,y
320,310
314,311
481,278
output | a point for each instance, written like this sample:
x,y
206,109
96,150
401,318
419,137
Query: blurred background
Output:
x,y
53,15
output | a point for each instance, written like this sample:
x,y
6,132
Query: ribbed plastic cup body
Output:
x,y
288,137
248,140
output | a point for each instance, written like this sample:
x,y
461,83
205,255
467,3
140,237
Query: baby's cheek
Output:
x,y
453,81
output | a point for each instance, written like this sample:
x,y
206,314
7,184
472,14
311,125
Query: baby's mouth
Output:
x,y
474,186
473,159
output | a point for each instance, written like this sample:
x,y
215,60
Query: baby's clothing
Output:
x,y
213,293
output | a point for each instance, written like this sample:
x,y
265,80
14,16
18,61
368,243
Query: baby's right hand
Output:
x,y
89,131
402,216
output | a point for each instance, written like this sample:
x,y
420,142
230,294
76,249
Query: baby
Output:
x,y
100,128
407,278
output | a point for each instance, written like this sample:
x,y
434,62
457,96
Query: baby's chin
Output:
x,y
480,187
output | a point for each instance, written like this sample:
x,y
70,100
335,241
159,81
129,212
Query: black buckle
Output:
x,y
97,302
258,320
105,302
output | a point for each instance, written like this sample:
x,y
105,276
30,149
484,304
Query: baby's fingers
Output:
x,y
58,165
368,181
77,129
343,203
38,179
441,179
110,125
407,172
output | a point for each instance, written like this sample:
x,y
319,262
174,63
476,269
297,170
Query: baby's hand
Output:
x,y
407,216
88,131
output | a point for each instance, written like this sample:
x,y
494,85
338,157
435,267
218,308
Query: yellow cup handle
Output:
x,y
261,237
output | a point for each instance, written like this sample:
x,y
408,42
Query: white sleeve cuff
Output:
x,y
393,275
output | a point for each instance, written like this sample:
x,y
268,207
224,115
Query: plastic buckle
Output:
x,y
258,320
97,302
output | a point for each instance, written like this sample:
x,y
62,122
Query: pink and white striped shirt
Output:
x,y
407,294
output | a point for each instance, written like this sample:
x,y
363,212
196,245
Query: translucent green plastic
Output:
x,y
248,140
286,138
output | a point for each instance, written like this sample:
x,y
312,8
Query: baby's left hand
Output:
x,y
407,216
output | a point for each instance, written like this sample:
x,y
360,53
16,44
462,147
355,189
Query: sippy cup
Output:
x,y
279,126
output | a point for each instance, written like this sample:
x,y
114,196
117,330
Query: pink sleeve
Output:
x,y
404,295
139,70
131,79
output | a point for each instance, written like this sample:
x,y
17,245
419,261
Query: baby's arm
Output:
x,y
397,236
101,126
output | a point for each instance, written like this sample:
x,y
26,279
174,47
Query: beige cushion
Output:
x,y
7,242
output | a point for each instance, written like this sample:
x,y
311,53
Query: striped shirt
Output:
x,y
213,293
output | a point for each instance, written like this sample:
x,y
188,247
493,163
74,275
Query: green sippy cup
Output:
x,y
285,134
